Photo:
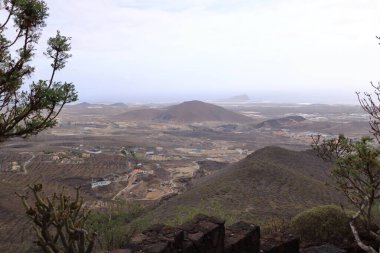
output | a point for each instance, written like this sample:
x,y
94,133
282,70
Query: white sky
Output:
x,y
278,50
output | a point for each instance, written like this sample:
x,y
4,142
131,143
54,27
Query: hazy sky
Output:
x,y
141,50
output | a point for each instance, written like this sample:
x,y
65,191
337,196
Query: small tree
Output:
x,y
27,112
357,173
59,222
357,165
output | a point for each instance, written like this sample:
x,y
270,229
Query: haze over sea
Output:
x,y
319,51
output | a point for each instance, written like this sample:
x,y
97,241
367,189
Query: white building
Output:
x,y
100,182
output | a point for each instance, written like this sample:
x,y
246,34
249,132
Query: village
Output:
x,y
141,173
150,174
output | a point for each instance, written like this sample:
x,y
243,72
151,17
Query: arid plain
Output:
x,y
149,153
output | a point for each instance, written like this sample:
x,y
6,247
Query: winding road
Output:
x,y
27,162
128,187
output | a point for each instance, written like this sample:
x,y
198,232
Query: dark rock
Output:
x,y
242,237
121,251
161,239
280,243
204,234
326,248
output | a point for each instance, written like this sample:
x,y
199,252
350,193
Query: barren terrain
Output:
x,y
145,160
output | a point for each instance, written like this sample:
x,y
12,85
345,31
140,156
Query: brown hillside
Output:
x,y
272,182
187,112
140,115
197,111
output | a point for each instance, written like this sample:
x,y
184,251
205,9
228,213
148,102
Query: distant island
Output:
x,y
238,98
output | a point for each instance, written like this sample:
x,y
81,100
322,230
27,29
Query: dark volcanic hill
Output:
x,y
271,182
187,112
281,122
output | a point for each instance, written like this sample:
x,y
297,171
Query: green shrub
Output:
x,y
213,208
112,225
321,224
274,225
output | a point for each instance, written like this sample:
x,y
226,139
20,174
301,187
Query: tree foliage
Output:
x,y
25,112
333,148
356,170
357,173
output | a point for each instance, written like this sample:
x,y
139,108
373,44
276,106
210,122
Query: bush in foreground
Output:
x,y
321,224
112,225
